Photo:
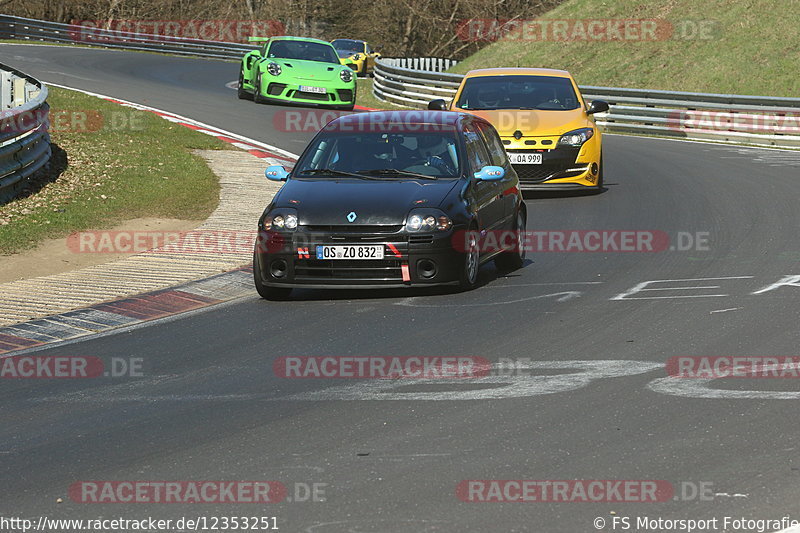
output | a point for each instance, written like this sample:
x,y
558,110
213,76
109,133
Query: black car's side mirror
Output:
x,y
437,105
597,106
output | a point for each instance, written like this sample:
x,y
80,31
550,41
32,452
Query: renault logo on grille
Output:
x,y
517,135
351,216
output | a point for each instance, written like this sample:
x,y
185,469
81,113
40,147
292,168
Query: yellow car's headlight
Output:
x,y
576,137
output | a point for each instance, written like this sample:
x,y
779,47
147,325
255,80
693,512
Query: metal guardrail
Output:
x,y
740,119
24,29
24,141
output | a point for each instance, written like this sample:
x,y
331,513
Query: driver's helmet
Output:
x,y
429,145
489,97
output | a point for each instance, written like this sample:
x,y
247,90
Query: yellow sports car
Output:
x,y
548,130
358,55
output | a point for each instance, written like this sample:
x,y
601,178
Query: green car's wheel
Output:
x,y
240,92
257,91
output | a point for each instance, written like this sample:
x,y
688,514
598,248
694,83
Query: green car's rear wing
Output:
x,y
258,39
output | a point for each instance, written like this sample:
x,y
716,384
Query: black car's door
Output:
x,y
509,185
487,194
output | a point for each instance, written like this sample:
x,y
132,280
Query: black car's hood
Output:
x,y
385,201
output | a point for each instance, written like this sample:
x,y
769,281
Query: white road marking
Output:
x,y
725,310
642,287
562,297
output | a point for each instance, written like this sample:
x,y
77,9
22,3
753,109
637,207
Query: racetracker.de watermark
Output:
x,y
128,30
597,30
175,242
213,492
785,122
381,367
68,367
738,366
590,241
313,120
72,121
581,491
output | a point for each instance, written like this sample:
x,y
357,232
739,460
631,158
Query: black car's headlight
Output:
x,y
576,137
346,75
427,220
281,219
274,69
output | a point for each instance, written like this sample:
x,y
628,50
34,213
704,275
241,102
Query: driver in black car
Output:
x,y
434,150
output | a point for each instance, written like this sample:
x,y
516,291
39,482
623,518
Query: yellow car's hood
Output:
x,y
533,123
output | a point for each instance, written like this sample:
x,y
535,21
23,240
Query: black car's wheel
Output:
x,y
472,257
268,293
257,91
240,92
514,259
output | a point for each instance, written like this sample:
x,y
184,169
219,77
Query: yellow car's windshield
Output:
x,y
546,93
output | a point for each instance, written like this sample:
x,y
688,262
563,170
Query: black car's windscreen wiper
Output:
x,y
333,172
397,172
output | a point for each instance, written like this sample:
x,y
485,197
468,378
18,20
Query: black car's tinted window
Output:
x,y
309,51
477,155
546,93
430,153
496,150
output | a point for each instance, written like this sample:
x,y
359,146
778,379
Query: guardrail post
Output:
x,y
18,91
5,90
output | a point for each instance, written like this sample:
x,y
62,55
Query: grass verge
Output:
x,y
745,47
110,163
364,96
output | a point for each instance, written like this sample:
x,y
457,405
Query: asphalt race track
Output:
x,y
209,406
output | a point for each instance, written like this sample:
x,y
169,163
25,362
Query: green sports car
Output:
x,y
297,70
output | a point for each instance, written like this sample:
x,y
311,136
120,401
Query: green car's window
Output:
x,y
304,50
545,93
430,153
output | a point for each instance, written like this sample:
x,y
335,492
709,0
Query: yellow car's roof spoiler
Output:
x,y
258,39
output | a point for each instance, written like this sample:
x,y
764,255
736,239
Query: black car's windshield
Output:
x,y
348,45
546,93
306,50
382,155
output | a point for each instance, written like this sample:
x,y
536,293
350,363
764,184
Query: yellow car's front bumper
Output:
x,y
562,167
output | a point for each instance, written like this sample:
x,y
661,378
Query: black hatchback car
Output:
x,y
391,199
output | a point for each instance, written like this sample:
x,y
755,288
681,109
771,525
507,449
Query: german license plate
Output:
x,y
310,89
525,158
350,251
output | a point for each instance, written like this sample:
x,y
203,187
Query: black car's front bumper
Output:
x,y
290,259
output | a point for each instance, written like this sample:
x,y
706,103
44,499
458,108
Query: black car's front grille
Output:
x,y
357,228
275,89
378,270
345,95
